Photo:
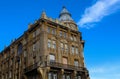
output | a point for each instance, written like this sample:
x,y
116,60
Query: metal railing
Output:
x,y
30,68
64,66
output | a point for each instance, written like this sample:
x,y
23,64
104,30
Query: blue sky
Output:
x,y
98,20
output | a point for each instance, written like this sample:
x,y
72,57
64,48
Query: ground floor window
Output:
x,y
78,77
66,76
52,75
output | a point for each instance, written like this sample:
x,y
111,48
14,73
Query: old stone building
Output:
x,y
49,49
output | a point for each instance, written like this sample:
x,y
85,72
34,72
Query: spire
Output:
x,y
65,15
43,15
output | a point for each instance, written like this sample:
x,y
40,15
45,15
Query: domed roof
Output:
x,y
65,15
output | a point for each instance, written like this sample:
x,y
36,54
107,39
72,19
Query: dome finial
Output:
x,y
65,15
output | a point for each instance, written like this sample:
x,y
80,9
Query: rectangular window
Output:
x,y
76,63
53,31
79,77
68,77
34,34
60,33
75,39
66,48
65,35
34,47
54,45
11,62
72,49
25,54
10,74
37,32
65,60
49,43
77,51
48,29
71,37
54,76
52,57
62,47
49,76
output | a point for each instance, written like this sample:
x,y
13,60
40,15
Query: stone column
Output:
x,y
73,75
60,74
43,72
43,39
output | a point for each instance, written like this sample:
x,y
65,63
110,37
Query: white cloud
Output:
x,y
97,11
107,71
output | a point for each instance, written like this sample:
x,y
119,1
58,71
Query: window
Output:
x,y
52,75
25,54
48,30
60,33
61,45
66,47
76,63
49,43
34,47
76,50
10,74
49,76
37,32
11,62
71,37
19,49
72,49
63,76
54,45
53,31
52,57
68,77
75,39
65,35
79,77
34,34
65,60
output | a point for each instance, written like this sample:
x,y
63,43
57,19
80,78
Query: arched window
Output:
x,y
20,48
